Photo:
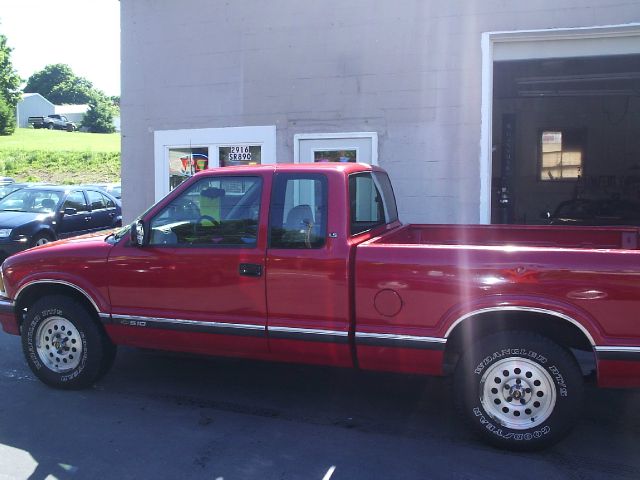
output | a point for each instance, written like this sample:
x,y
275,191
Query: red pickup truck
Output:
x,y
309,263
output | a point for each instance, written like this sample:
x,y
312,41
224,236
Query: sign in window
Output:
x,y
233,155
185,162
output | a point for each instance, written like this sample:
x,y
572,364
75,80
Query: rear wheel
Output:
x,y
519,390
63,344
50,126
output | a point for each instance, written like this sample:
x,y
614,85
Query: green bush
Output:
x,y
99,117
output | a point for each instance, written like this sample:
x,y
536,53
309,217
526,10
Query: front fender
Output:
x,y
99,302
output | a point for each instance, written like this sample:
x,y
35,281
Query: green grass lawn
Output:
x,y
58,156
60,140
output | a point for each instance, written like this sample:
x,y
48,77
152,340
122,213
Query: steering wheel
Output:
x,y
213,221
198,228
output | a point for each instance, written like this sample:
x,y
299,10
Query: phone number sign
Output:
x,y
239,154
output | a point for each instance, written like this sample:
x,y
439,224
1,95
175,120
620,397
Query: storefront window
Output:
x,y
185,162
344,156
233,155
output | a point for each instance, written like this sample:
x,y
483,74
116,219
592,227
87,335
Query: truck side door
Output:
x,y
307,272
198,285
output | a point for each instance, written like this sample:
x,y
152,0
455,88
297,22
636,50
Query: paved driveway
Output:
x,y
160,416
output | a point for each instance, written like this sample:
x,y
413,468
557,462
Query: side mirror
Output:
x,y
70,211
138,233
545,215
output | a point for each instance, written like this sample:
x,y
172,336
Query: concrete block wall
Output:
x,y
407,69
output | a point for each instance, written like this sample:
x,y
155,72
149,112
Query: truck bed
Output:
x,y
418,280
515,235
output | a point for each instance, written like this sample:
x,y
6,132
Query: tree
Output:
x,y
58,84
9,90
7,117
99,117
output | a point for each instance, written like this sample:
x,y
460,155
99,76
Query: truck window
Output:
x,y
298,211
371,200
216,211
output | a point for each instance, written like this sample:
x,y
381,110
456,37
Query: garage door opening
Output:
x,y
566,141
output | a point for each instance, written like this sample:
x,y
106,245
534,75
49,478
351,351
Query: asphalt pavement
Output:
x,y
166,416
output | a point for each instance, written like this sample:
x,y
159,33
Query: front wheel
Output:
x,y
519,390
40,239
63,344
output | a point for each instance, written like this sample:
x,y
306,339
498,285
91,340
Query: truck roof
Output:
x,y
347,168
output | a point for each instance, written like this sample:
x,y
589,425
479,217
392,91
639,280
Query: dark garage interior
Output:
x,y
566,141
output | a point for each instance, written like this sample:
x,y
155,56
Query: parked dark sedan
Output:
x,y
113,189
34,216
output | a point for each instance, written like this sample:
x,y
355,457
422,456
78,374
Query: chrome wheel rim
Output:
x,y
42,241
517,393
58,344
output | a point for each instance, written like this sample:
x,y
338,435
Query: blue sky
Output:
x,y
84,34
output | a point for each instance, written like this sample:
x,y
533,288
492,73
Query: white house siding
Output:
x,y
409,70
32,105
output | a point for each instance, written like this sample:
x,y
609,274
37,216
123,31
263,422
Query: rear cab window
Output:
x,y
372,202
298,217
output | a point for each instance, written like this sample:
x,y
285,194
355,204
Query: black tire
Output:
x,y
522,372
40,239
50,126
109,355
55,329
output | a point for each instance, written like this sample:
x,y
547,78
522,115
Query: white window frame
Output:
x,y
373,136
213,139
551,43
349,149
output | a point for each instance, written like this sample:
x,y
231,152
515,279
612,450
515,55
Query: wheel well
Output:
x,y
556,329
44,232
33,292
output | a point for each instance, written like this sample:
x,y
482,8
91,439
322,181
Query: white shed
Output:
x,y
74,113
32,105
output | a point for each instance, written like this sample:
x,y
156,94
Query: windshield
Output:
x,y
7,189
33,201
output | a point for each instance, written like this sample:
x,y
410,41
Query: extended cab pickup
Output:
x,y
57,122
309,263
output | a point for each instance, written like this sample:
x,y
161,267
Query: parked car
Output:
x,y
51,122
6,189
114,189
35,215
609,211
6,180
310,264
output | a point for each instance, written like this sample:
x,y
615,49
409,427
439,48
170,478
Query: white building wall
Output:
x,y
32,106
409,70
